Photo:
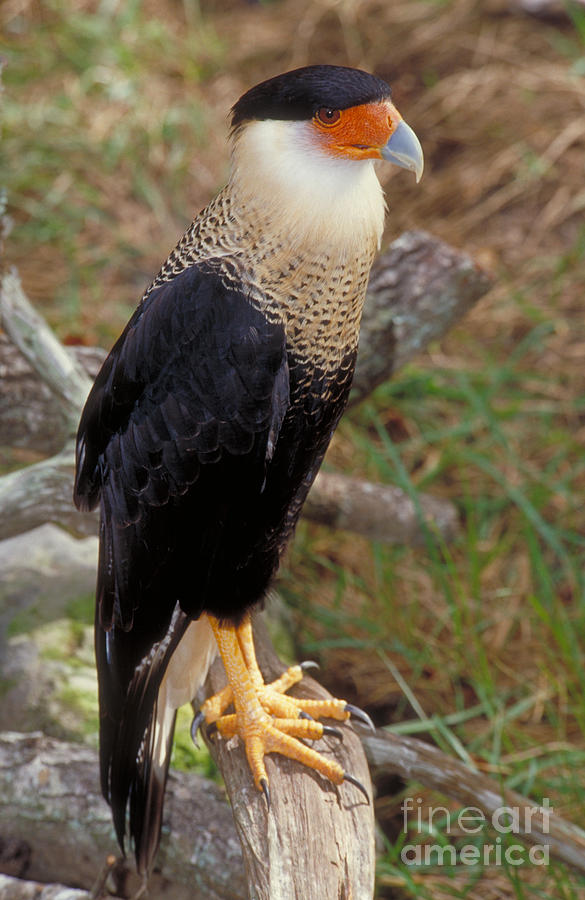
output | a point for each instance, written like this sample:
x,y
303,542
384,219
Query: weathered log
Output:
x,y
419,287
50,799
18,889
333,826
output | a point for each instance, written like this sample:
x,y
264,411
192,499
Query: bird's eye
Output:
x,y
327,116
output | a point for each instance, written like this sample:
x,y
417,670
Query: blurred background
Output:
x,y
115,119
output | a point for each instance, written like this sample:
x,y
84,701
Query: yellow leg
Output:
x,y
265,718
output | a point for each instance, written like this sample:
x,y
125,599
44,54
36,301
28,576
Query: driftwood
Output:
x,y
419,287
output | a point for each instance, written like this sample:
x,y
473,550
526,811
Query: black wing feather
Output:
x,y
174,443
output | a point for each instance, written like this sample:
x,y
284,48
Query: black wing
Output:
x,y
174,443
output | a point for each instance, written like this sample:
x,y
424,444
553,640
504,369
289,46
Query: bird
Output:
x,y
209,420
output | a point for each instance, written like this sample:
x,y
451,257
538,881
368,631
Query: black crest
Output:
x,y
300,93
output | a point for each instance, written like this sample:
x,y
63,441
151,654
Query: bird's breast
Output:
x,y
319,298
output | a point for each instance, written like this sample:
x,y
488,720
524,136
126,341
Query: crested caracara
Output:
x,y
209,420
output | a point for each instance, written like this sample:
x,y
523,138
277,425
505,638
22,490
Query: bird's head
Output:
x,y
342,113
304,146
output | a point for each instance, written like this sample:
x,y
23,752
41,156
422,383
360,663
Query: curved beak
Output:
x,y
404,149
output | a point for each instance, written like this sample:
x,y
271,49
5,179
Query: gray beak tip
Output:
x,y
404,149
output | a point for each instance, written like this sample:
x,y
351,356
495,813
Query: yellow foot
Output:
x,y
265,718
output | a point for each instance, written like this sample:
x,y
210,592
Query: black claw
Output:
x,y
309,664
211,730
198,720
357,784
305,715
359,714
266,792
328,731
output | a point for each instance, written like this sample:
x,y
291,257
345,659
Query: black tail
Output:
x,y
148,788
136,733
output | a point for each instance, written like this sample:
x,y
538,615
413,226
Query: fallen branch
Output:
x,y
418,289
50,799
18,889
377,511
417,761
43,493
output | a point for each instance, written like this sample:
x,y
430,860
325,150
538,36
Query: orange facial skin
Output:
x,y
358,132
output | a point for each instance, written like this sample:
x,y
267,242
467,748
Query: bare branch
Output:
x,y
415,760
377,511
42,493
30,333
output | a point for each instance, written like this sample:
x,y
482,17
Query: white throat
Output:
x,y
278,169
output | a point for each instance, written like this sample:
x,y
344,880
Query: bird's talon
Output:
x,y
328,731
360,715
266,792
198,720
357,784
305,715
212,731
309,664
